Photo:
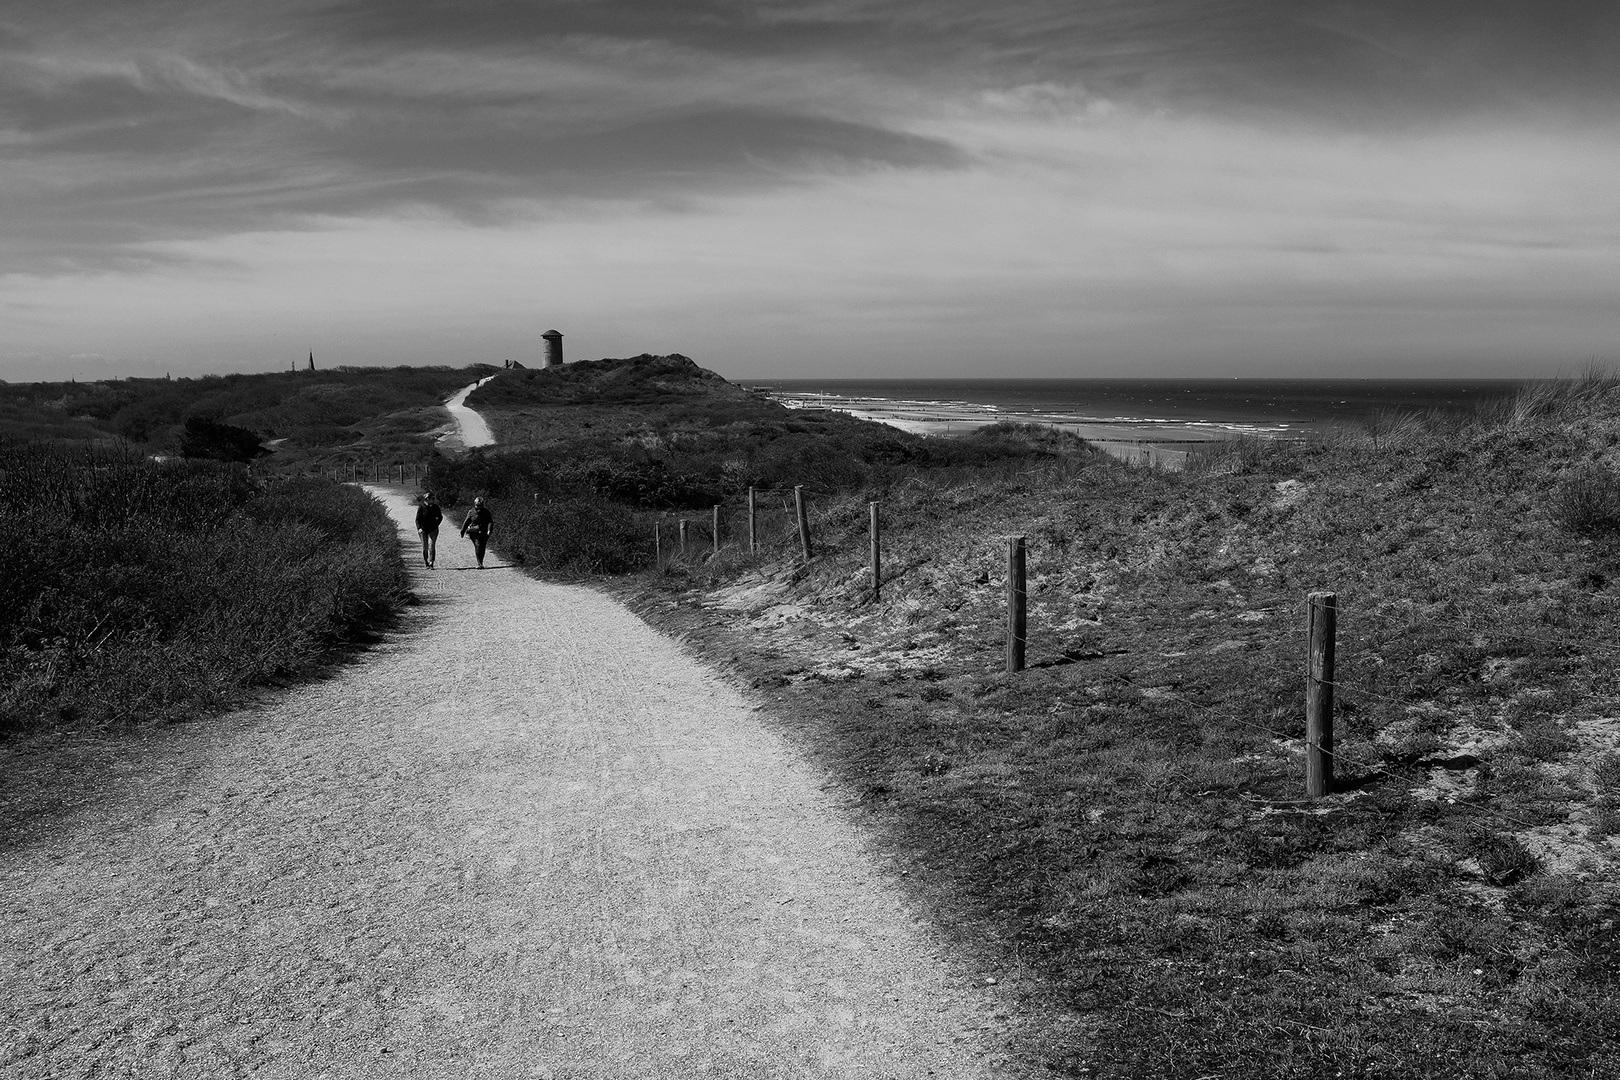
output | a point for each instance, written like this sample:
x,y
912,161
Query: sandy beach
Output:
x,y
961,417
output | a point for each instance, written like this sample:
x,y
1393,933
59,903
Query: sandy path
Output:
x,y
527,837
471,429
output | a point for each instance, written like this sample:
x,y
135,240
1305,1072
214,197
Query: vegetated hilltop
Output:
x,y
589,456
1122,830
341,414
635,403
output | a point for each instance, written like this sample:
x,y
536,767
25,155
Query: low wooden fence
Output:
x,y
761,530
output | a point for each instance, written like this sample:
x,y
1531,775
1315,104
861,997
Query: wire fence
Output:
x,y
773,519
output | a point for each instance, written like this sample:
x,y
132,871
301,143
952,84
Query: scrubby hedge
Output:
x,y
140,591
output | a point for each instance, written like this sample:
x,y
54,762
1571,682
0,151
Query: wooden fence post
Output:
x,y
1324,609
804,521
1017,597
658,546
714,529
683,536
753,534
877,558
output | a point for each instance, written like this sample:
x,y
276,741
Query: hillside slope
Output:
x,y
352,412
1125,821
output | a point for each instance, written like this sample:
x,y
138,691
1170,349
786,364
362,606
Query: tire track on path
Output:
x,y
525,837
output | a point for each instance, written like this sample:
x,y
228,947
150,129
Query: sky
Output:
x,y
812,188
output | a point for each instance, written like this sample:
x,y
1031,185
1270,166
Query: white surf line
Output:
x,y
474,432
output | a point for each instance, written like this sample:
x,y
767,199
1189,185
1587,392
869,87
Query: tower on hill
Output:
x,y
553,348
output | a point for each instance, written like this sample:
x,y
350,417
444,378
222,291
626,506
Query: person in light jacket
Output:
x,y
480,522
428,517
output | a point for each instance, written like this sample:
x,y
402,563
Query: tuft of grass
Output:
x,y
1588,502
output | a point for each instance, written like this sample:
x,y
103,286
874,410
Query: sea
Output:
x,y
1158,411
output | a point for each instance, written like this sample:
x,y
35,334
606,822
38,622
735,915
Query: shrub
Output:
x,y
1588,503
577,536
141,591
205,438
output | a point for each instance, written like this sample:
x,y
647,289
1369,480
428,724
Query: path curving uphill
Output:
x,y
525,837
471,428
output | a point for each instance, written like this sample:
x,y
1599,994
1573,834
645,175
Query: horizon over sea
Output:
x,y
1151,410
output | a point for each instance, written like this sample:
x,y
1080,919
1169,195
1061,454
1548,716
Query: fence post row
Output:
x,y
1017,597
753,535
714,529
804,521
1322,621
877,563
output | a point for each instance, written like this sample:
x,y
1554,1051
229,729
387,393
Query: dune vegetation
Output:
x,y
1120,833
302,420
141,591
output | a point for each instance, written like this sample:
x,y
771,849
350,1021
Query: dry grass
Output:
x,y
139,591
1124,823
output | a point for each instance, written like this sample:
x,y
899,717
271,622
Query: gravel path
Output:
x,y
527,837
471,430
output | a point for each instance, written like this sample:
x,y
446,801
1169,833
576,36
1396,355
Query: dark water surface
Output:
x,y
1275,404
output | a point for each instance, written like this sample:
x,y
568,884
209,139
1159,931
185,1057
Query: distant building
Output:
x,y
553,348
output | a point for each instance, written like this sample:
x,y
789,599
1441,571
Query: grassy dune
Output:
x,y
1121,830
138,591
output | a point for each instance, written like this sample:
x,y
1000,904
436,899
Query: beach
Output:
x,y
1164,413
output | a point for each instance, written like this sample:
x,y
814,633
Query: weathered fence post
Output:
x,y
877,558
1017,597
683,536
753,534
714,529
804,521
1324,609
658,546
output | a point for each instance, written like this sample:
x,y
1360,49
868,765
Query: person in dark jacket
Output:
x,y
480,522
428,516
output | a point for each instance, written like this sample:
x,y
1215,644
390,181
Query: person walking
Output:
x,y
428,517
479,524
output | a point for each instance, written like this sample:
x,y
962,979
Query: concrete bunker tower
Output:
x,y
553,348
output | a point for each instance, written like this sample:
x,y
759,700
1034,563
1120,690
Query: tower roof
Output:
x,y
551,333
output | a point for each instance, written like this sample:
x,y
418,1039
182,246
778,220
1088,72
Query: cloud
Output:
x,y
1138,181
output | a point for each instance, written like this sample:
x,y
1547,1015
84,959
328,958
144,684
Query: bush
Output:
x,y
141,591
578,536
204,438
1588,503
